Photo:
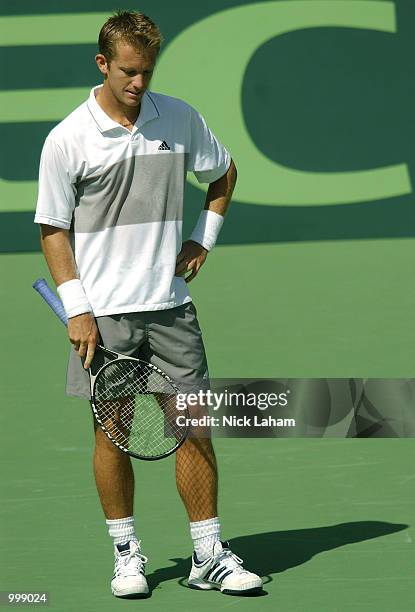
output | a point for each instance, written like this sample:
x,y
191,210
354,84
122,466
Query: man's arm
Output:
x,y
220,192
193,255
82,330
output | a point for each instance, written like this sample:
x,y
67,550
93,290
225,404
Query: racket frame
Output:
x,y
92,379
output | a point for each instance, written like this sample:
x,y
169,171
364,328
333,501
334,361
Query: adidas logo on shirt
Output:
x,y
164,146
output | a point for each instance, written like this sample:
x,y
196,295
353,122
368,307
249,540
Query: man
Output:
x,y
110,208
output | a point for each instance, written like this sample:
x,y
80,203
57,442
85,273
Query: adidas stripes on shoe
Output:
x,y
224,571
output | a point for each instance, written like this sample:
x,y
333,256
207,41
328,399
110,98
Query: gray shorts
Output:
x,y
170,339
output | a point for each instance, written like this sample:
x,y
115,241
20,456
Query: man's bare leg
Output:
x,y
114,477
197,478
197,484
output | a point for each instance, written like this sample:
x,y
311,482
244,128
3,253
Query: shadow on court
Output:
x,y
274,552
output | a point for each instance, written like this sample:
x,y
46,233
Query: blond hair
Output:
x,y
132,28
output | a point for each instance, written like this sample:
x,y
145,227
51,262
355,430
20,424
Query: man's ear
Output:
x,y
102,63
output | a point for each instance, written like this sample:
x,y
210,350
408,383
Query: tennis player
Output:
x,y
110,207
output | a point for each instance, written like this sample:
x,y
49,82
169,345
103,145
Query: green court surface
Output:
x,y
328,523
312,278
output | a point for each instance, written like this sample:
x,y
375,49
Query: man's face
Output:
x,y
129,73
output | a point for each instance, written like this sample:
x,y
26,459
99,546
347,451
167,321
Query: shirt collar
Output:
x,y
148,111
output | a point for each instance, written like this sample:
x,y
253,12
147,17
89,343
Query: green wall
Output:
x,y
313,98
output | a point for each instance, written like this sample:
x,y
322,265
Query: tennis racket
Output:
x,y
133,401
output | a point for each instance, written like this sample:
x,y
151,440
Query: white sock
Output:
x,y
204,535
122,530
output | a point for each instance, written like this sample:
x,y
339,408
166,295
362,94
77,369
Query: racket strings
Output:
x,y
137,406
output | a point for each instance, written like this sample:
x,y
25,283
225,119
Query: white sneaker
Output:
x,y
224,571
129,579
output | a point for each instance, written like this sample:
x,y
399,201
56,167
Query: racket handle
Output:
x,y
50,298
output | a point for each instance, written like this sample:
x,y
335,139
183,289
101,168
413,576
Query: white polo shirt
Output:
x,y
121,195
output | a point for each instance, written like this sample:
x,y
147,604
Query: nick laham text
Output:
x,y
234,421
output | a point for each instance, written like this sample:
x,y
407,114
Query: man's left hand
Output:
x,y
191,258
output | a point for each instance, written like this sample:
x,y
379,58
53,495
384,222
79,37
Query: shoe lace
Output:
x,y
232,561
129,565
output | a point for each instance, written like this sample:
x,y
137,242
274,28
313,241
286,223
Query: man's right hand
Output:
x,y
84,335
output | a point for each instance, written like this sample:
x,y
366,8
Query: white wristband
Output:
x,y
73,298
207,229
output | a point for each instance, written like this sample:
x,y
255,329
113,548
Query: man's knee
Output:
x,y
197,447
102,442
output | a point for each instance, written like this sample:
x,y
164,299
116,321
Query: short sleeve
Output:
x,y
56,191
208,159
